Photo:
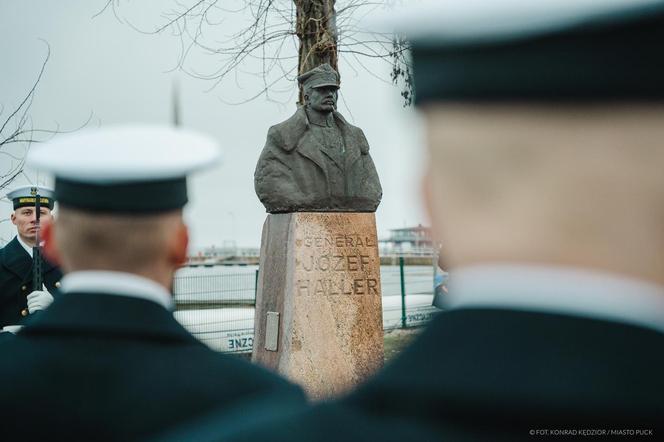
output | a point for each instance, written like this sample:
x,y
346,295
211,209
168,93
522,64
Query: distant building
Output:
x,y
228,254
409,240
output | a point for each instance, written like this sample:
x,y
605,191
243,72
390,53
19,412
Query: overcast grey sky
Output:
x,y
104,67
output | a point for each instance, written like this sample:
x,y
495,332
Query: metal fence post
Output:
x,y
256,287
435,270
403,293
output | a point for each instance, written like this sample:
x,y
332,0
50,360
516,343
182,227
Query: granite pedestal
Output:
x,y
318,307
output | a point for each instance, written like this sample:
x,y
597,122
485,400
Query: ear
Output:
x,y
13,218
180,245
427,196
432,213
50,249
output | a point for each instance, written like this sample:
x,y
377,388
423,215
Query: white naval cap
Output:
x,y
124,169
454,21
24,196
532,51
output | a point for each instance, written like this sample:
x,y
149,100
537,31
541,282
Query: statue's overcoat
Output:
x,y
294,172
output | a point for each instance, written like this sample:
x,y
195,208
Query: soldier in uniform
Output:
x,y
546,150
107,361
317,161
18,298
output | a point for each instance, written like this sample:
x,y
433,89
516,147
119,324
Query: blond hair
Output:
x,y
91,241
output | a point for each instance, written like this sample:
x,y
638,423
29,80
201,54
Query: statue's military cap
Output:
x,y
26,196
544,50
321,76
127,169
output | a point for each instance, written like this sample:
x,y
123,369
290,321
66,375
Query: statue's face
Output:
x,y
322,99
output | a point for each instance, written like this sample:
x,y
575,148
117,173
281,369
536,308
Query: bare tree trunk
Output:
x,y
317,30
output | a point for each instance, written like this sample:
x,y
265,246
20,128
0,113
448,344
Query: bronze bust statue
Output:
x,y
316,161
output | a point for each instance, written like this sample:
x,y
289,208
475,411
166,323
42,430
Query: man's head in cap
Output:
x,y
544,124
24,216
320,86
121,192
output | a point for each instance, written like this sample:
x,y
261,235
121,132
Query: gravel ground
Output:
x,y
397,339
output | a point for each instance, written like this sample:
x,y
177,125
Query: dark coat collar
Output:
x,y
111,315
292,130
18,261
507,364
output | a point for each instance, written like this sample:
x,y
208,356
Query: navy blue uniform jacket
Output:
x,y
97,367
16,282
482,375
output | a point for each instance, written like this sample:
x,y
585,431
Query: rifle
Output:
x,y
37,277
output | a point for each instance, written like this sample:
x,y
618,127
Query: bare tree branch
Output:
x,y
17,132
274,33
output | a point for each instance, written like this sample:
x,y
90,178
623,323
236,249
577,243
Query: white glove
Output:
x,y
39,300
11,328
